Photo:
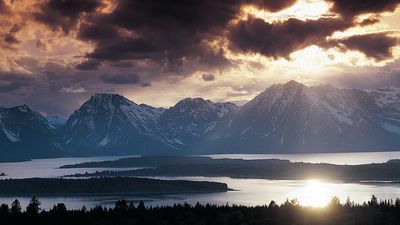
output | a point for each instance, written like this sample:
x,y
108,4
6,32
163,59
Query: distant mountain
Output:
x,y
56,120
110,123
285,118
184,124
388,97
113,124
292,118
26,134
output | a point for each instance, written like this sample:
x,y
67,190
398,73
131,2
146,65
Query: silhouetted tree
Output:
x,y
141,206
349,203
335,202
15,207
373,202
384,213
4,209
272,204
121,206
60,208
33,207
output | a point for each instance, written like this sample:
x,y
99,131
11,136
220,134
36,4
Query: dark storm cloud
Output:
x,y
167,32
10,82
120,78
351,8
273,5
89,65
97,32
280,39
375,45
208,77
123,48
64,14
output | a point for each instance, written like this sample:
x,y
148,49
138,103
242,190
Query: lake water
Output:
x,y
247,191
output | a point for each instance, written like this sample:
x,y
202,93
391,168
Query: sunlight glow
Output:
x,y
310,59
315,194
303,9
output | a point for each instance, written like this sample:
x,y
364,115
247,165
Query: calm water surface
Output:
x,y
247,191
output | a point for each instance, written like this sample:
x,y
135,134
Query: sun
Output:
x,y
315,194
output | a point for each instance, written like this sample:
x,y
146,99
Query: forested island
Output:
x,y
111,185
239,168
373,212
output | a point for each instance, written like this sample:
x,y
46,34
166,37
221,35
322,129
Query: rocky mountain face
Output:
x,y
285,118
110,122
293,118
26,134
184,124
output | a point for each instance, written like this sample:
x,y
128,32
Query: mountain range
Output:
x,y
285,118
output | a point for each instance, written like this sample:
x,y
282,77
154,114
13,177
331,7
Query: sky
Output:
x,y
55,54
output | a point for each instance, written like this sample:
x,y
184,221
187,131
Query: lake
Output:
x,y
247,191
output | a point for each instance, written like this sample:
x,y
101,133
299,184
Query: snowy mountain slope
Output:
x,y
112,122
285,118
25,134
292,117
190,119
388,97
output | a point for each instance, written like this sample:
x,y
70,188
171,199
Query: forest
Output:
x,y
118,185
239,168
373,212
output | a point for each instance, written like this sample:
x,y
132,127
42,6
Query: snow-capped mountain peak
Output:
x,y
110,120
26,132
293,117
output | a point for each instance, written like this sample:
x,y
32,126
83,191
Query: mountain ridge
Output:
x,y
284,118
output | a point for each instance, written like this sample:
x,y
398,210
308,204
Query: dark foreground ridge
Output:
x,y
117,185
260,168
290,212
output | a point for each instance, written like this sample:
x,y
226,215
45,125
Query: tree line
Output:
x,y
290,212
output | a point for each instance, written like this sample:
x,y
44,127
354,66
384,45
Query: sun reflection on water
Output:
x,y
315,193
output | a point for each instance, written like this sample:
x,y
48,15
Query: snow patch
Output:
x,y
391,128
10,135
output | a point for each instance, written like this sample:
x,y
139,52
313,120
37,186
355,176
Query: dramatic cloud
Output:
x,y
170,34
66,50
355,7
98,32
10,82
273,5
64,14
280,39
376,45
